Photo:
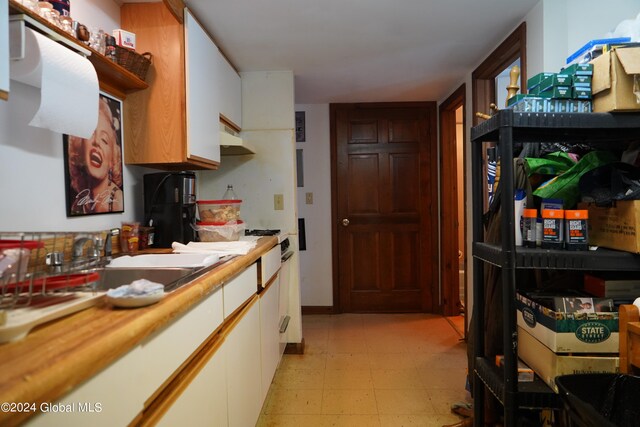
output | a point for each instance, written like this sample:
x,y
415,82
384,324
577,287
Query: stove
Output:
x,y
283,238
261,232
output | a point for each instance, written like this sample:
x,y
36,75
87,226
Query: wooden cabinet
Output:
x,y
174,124
4,49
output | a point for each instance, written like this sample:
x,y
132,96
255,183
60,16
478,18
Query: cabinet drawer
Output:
x,y
269,265
237,291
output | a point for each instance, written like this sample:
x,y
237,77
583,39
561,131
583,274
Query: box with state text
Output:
x,y
548,365
614,75
568,332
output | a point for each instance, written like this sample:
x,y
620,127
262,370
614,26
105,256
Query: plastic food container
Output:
x,y
219,231
14,258
220,211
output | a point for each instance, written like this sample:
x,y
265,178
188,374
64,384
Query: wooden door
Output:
x,y
384,206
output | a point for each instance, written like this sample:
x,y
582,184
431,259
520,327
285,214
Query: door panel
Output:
x,y
384,192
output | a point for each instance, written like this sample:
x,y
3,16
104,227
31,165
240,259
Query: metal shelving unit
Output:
x,y
507,128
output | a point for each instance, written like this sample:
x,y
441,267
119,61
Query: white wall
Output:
x,y
316,286
32,184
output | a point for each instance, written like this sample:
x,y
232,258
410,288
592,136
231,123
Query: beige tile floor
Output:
x,y
384,370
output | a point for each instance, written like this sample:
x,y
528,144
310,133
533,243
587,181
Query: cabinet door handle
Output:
x,y
345,222
284,324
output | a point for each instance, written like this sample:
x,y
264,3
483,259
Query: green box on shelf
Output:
x,y
557,92
554,81
579,70
582,81
534,91
537,79
581,92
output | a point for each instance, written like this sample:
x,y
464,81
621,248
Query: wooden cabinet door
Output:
x,y
202,92
4,48
386,170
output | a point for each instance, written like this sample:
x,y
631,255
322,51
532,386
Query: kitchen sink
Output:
x,y
171,277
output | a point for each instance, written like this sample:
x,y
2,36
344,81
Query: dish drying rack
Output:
x,y
42,278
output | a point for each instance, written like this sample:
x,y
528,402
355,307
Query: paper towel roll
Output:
x,y
69,91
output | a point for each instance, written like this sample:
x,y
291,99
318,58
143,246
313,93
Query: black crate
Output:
x,y
601,400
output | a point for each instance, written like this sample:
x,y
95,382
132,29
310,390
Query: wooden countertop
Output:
x,y
56,357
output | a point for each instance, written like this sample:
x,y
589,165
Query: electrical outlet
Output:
x,y
309,198
278,202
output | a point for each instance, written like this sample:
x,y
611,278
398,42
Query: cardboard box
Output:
x,y
563,332
612,286
613,75
125,38
616,227
548,365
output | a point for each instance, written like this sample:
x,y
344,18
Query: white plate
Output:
x,y
130,302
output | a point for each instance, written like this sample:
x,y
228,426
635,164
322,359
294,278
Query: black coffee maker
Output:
x,y
170,207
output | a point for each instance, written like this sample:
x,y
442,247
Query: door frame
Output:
x,y
483,78
449,188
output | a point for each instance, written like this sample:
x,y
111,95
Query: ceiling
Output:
x,y
362,50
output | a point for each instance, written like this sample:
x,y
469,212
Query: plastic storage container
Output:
x,y
219,231
600,400
219,210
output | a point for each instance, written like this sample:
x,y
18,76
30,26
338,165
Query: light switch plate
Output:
x,y
309,198
278,202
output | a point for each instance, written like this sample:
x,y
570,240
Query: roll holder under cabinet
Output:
x,y
506,128
112,77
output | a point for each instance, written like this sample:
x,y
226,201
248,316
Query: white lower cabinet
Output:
x,y
242,345
224,383
204,401
117,394
269,333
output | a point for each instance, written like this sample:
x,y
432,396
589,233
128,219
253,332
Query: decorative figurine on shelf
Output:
x,y
513,87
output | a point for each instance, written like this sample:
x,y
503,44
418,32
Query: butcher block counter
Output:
x,y
57,358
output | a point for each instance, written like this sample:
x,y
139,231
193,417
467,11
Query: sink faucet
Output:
x,y
93,252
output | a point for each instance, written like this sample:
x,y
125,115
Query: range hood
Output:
x,y
231,144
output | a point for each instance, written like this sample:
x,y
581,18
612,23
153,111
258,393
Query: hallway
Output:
x,y
384,370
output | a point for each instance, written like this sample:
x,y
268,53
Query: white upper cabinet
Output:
x,y
230,91
202,91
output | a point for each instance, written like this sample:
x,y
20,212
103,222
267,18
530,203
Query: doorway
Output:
x,y
384,206
453,255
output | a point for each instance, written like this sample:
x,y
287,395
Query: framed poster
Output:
x,y
93,167
300,126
